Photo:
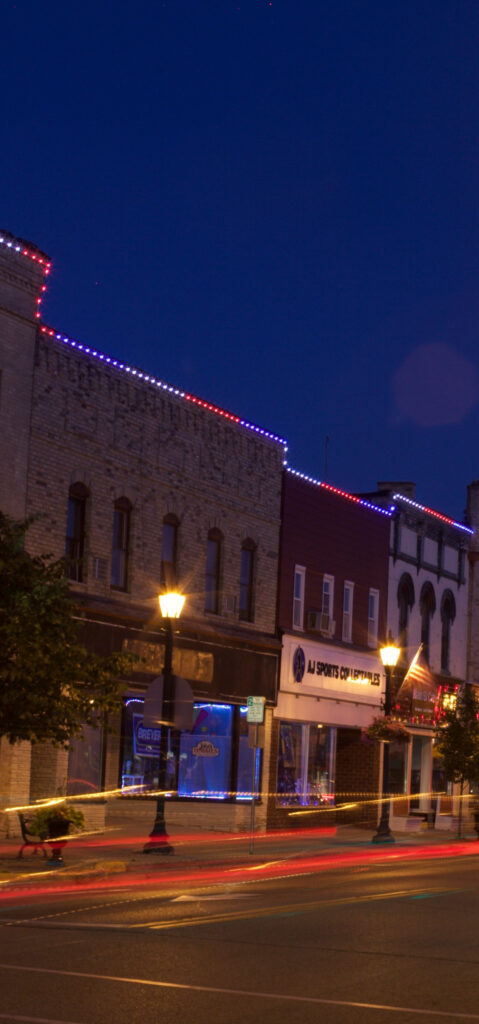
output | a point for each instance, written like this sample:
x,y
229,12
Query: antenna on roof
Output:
x,y
326,443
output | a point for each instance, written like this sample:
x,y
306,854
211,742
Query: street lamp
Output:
x,y
389,657
171,605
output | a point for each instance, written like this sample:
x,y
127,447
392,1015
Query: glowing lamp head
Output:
x,y
171,605
390,653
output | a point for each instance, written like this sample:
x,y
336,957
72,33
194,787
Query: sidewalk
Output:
x,y
117,854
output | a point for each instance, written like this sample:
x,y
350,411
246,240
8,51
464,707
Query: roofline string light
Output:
x,y
148,379
15,245
343,494
431,512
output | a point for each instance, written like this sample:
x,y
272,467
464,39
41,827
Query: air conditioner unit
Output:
x,y
229,604
313,621
328,625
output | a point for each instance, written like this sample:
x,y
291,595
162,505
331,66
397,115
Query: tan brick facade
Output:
x,y
70,417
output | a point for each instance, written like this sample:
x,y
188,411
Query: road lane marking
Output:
x,y
35,1020
214,896
285,908
280,996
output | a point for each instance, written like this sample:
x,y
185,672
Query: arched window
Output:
x,y
427,605
75,542
405,595
213,570
247,572
120,548
169,550
448,614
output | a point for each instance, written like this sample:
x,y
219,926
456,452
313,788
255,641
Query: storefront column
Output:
x,y
14,782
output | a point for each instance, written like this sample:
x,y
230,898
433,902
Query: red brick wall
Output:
x,y
328,533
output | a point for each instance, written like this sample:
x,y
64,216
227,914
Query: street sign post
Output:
x,y
254,714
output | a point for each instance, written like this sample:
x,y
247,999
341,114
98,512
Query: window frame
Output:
x,y
427,606
120,553
213,579
405,598
169,569
373,630
298,600
76,543
448,615
347,625
328,590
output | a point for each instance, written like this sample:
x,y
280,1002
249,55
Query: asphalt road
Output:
x,y
377,942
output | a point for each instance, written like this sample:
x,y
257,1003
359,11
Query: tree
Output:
x,y
50,685
457,742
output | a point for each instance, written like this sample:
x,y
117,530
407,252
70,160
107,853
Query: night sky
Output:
x,y
272,204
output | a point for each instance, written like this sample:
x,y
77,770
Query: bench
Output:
x,y
29,838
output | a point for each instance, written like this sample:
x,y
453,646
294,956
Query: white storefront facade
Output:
x,y
324,688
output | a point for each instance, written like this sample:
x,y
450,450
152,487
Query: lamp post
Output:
x,y
171,605
389,657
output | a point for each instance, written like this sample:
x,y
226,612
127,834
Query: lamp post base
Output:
x,y
156,844
383,835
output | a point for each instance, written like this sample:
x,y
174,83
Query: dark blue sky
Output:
x,y
273,205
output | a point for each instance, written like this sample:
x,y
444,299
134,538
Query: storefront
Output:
x,y
210,761
328,694
416,771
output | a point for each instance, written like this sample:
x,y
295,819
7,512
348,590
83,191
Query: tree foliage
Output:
x,y
457,742
50,685
457,738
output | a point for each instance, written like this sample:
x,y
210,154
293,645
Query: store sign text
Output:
x,y
351,675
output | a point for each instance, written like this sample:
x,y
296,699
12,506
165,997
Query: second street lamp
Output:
x,y
389,657
171,605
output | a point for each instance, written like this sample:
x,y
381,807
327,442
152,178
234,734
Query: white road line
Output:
x,y
451,1014
35,1020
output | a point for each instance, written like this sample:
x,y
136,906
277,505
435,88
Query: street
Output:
x,y
374,941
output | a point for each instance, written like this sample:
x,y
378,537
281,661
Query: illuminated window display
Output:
x,y
212,761
305,764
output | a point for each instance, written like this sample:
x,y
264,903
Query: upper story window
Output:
x,y
213,571
75,542
348,595
247,570
448,614
298,596
405,597
427,605
373,618
328,596
169,549
120,547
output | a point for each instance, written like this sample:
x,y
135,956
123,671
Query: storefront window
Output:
x,y
205,753
141,751
305,765
213,761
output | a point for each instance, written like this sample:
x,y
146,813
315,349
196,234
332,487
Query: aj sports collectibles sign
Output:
x,y
331,670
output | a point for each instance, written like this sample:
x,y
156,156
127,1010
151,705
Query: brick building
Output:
x,y
141,486
332,599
